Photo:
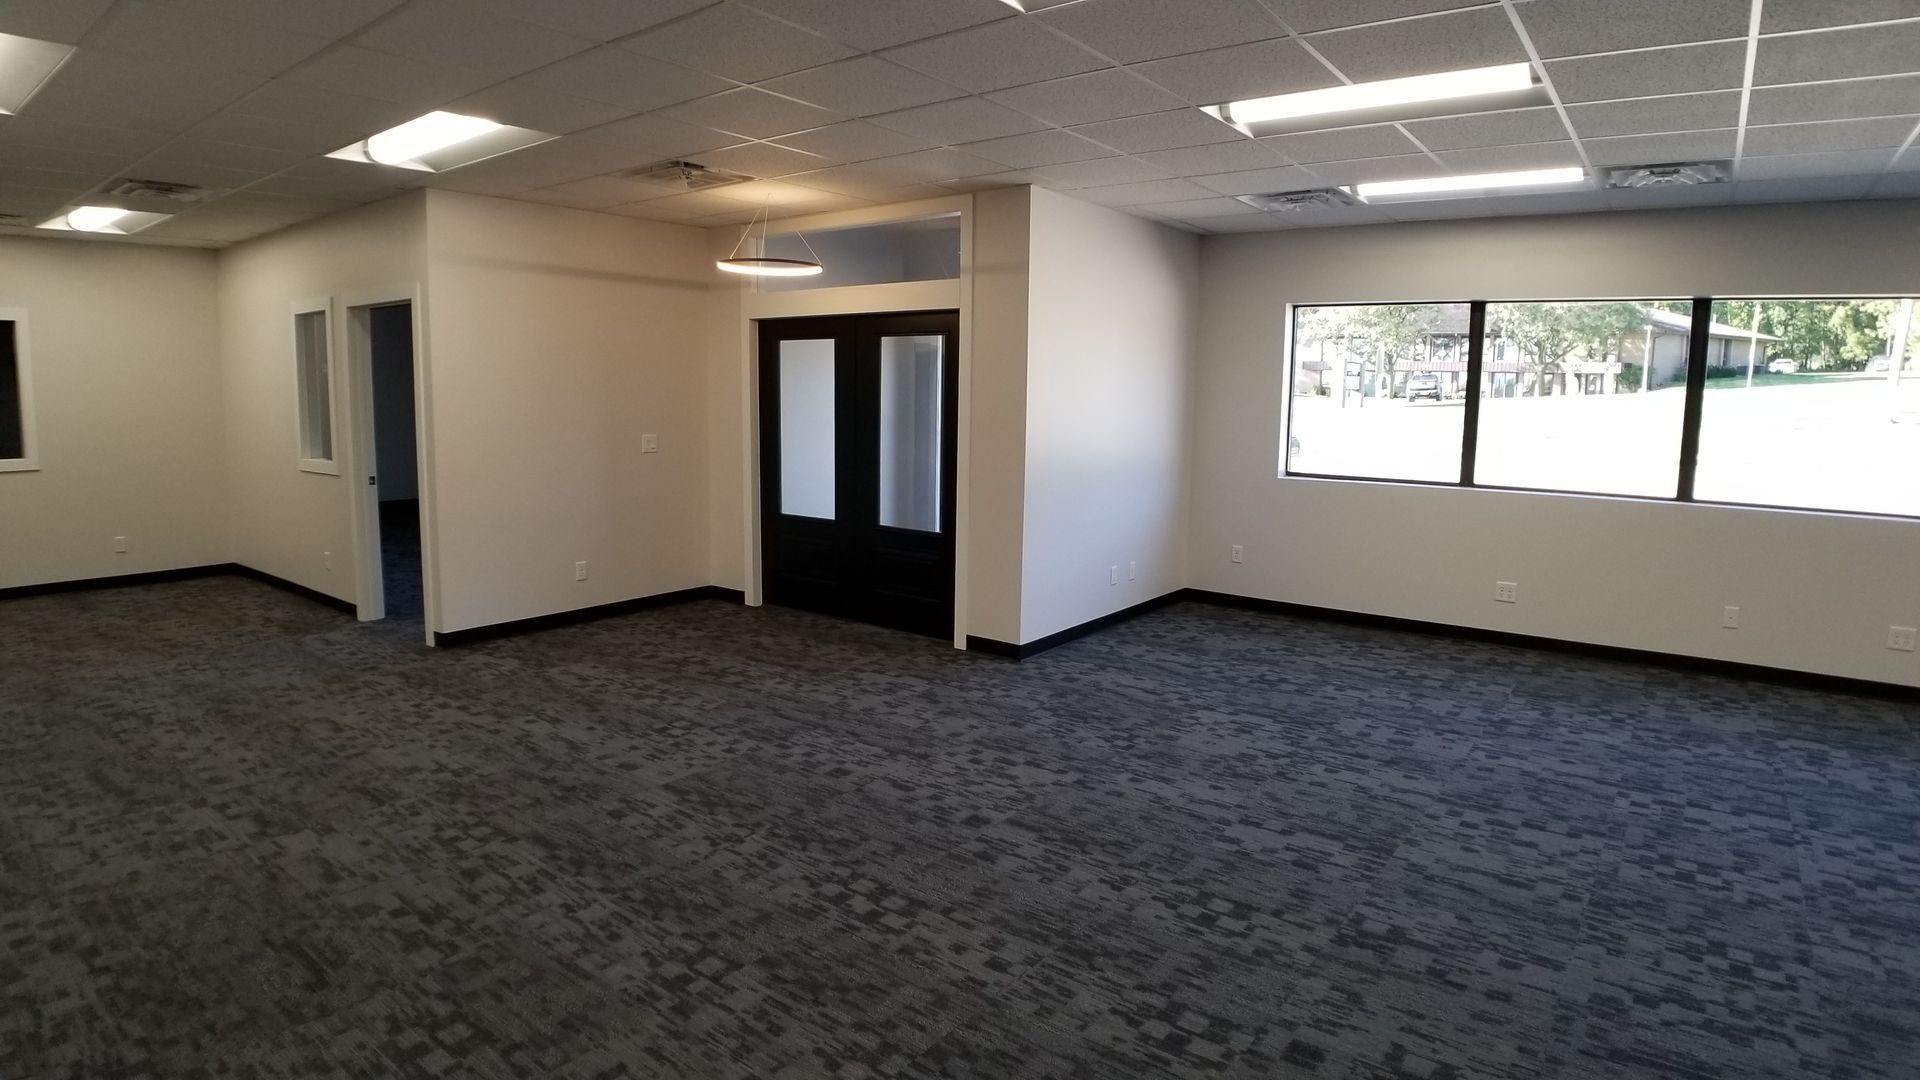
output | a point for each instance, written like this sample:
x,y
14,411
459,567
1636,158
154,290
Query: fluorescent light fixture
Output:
x,y
1015,5
440,141
1474,89
106,220
756,266
1458,186
25,66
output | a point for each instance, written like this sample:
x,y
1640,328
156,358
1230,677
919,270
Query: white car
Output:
x,y
1782,366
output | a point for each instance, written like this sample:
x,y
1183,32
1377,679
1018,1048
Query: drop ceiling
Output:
x,y
834,104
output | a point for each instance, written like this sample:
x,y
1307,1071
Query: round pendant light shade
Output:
x,y
765,267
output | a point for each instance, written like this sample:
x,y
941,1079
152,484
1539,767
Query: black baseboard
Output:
x,y
579,615
1732,669
314,595
1033,648
148,577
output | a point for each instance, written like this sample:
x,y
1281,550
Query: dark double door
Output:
x,y
857,422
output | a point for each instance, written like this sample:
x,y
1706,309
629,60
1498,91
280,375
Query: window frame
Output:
x,y
1693,409
29,459
327,466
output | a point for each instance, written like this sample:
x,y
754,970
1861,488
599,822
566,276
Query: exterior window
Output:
x,y
1818,406
1584,396
16,409
1378,391
313,373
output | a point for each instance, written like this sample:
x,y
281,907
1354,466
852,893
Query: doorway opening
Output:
x,y
857,453
391,533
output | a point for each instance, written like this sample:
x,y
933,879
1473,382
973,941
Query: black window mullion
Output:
x,y
1476,351
1697,345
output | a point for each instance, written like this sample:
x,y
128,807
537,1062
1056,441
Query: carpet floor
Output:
x,y
242,836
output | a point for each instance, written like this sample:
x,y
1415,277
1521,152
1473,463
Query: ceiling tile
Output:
x,y
1403,167
1658,149
1083,99
962,121
1134,30
86,138
1238,72
880,24
595,20
1145,191
651,210
1306,16
593,193
618,77
1486,159
657,137
513,102
1685,70
1830,135
1779,15
1548,202
1838,54
1572,27
332,178
327,18
1037,148
1663,198
763,160
64,21
933,166
1688,112
99,86
1259,181
863,86
736,43
1449,42
1787,166
16,177
1489,129
485,42
1160,131
1097,172
1893,96
854,141
1216,158
1379,140
545,165
421,84
753,113
1194,209
62,159
188,149
341,114
1803,189
145,28
278,134
1010,52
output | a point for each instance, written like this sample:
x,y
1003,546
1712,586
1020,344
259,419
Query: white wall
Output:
x,y
559,337
126,393
285,520
1002,232
1113,304
1817,593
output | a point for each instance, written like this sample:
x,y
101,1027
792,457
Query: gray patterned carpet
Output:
x,y
242,837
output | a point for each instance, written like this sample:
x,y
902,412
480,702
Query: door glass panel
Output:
x,y
806,428
911,378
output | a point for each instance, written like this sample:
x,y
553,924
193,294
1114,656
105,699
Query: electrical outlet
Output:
x,y
1506,592
649,444
1730,617
1133,570
1239,553
580,571
1113,574
119,545
326,560
1901,638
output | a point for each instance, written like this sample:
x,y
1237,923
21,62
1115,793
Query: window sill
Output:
x,y
322,468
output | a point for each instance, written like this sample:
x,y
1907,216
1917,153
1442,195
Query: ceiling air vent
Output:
x,y
158,190
684,176
1677,174
1286,202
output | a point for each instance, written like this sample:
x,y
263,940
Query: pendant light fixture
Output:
x,y
763,265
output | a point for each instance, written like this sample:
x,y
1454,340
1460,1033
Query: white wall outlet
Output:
x,y
326,560
1133,570
1901,638
1506,592
649,444
1239,553
119,545
580,571
1113,574
1730,617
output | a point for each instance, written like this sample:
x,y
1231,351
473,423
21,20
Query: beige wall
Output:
x,y
286,521
996,507
1112,329
1816,593
126,389
558,338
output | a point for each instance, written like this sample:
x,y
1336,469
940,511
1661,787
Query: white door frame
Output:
x,y
355,315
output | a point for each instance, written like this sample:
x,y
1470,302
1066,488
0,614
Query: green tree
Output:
x,y
1384,337
1548,335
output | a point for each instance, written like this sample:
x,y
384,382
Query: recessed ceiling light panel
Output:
x,y
1503,86
1463,187
25,66
440,141
106,220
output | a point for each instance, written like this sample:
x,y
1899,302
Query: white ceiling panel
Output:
x,y
189,39
1259,181
618,77
1666,198
1575,27
1038,148
1112,94
422,85
326,18
595,20
1366,170
188,149
963,120
1307,16
854,140
548,164
322,177
753,113
879,24
1238,72
1215,158
1131,31
1893,49
863,86
736,43
1198,209
64,21
1145,191
996,55
1486,159
61,159
763,160
463,34
1795,166
1379,140
1896,95
297,104
932,166
1687,112
97,86
1160,131
513,102
1447,42
1830,135
1097,173
1657,149
87,138
1489,129
1685,70
1782,15
658,138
